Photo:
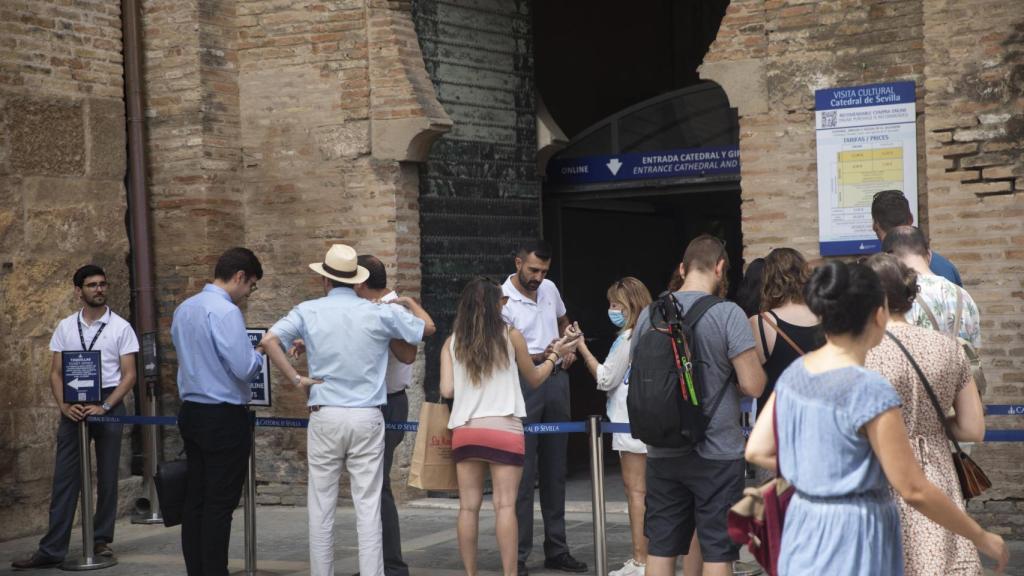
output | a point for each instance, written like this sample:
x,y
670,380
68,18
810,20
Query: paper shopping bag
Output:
x,y
432,466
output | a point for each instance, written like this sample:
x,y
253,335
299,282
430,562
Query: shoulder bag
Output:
x,y
973,481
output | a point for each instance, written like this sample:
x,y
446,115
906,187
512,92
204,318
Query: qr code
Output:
x,y
829,119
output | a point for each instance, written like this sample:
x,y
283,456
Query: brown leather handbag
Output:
x,y
973,481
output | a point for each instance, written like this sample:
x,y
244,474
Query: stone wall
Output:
x,y
974,120
62,205
967,62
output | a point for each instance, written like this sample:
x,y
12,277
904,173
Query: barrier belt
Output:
x,y
539,428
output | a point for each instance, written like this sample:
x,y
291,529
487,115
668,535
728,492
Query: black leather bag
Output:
x,y
170,481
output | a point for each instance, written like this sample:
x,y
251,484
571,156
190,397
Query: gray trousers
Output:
x,y
67,484
545,454
396,410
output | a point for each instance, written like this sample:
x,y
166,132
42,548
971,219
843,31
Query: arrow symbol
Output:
x,y
614,166
79,384
862,246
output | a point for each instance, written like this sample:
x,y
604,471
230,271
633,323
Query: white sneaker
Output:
x,y
629,568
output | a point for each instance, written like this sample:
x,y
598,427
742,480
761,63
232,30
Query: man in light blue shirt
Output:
x,y
216,362
346,340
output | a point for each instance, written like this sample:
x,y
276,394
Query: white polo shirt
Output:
x,y
398,376
538,321
115,340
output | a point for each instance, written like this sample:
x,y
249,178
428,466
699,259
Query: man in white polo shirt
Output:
x,y
94,327
535,308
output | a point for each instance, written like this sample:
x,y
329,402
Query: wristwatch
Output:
x,y
106,406
298,379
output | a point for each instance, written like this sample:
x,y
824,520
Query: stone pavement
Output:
x,y
428,540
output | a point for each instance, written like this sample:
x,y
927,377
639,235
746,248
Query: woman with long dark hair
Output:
x,y
842,443
481,363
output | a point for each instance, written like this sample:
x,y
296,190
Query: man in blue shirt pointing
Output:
x,y
346,340
216,362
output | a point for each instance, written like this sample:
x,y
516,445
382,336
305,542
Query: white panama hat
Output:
x,y
340,264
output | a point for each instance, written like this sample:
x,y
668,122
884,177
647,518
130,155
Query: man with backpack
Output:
x,y
692,360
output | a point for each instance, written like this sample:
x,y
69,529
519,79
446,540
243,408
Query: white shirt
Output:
x,y
538,321
116,339
498,395
398,376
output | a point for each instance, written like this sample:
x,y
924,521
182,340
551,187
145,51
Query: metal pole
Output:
x,y
250,507
597,492
88,561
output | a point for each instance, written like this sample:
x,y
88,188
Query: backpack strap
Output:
x,y
931,315
691,318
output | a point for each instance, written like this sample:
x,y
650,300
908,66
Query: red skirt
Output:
x,y
497,439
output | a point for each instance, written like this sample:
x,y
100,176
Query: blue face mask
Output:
x,y
617,317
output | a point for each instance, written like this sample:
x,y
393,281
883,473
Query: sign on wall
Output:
x,y
260,384
867,142
683,163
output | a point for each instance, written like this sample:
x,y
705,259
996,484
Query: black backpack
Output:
x,y
666,397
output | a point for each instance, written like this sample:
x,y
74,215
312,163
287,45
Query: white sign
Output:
x,y
867,142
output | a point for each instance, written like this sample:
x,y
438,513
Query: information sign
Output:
x,y
683,163
260,385
83,376
867,142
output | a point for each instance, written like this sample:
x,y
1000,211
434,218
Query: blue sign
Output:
x,y
683,163
862,96
260,385
83,376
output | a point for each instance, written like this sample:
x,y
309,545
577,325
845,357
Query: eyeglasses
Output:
x,y
95,285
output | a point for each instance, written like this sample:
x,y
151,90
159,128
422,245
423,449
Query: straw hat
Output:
x,y
340,265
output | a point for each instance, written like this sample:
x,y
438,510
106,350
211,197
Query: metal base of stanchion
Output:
x,y
151,518
88,563
746,569
254,573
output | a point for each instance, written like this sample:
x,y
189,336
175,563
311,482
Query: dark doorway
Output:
x,y
640,233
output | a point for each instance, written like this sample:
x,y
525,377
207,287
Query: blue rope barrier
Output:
x,y
1005,409
541,428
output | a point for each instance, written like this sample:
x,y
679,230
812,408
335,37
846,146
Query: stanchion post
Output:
x,y
149,507
250,506
88,561
597,493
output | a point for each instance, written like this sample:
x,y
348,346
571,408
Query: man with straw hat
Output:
x,y
346,340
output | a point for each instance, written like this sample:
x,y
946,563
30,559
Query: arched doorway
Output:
x,y
625,197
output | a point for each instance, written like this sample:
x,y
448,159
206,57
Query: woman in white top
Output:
x,y
481,363
627,299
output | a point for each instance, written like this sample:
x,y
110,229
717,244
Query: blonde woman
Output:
x,y
627,299
481,363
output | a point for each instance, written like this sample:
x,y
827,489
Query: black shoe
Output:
x,y
566,563
521,570
35,561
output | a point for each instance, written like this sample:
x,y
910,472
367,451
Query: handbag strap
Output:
x,y
928,389
931,315
785,337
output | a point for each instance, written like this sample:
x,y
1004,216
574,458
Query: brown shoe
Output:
x,y
102,549
35,561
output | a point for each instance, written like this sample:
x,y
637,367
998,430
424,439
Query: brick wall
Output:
x,y
966,59
62,205
974,120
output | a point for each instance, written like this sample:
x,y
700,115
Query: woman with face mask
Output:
x,y
627,299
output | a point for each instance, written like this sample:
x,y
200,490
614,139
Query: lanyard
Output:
x,y
81,335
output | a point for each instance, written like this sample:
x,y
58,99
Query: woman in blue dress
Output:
x,y
842,442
